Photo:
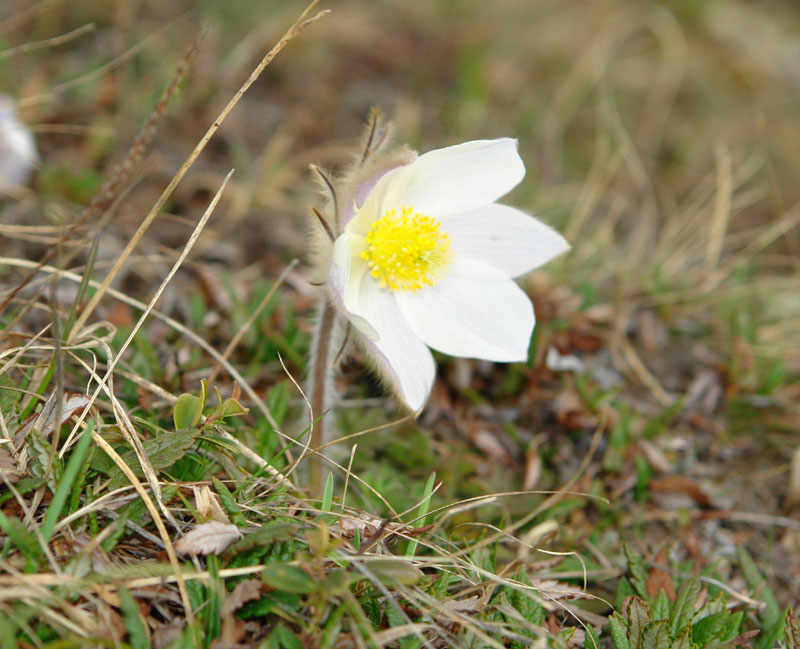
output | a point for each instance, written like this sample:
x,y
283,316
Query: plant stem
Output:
x,y
319,379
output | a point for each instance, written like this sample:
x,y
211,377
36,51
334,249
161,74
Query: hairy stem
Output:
x,y
319,380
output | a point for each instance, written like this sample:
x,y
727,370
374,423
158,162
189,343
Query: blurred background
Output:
x,y
661,138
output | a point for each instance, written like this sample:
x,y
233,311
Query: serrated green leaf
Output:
x,y
684,641
619,631
229,503
137,632
661,604
162,451
26,541
637,570
591,640
441,585
624,591
655,635
393,615
187,411
732,626
265,535
41,459
638,618
709,628
291,579
683,608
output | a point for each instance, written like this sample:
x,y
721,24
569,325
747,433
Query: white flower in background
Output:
x,y
17,148
426,260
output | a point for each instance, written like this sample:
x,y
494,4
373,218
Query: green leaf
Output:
x,y
332,628
771,634
624,591
770,614
655,635
423,511
187,411
638,570
41,460
395,571
591,640
709,628
732,626
684,641
441,585
265,535
661,605
525,602
162,451
286,638
137,633
215,590
232,408
291,579
278,402
638,618
26,541
683,608
229,503
327,493
67,481
619,631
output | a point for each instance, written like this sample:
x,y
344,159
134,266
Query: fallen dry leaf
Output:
x,y
660,578
208,538
9,467
682,484
245,591
45,421
533,468
208,506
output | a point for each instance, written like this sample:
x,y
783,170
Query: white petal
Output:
x,y
475,311
505,238
17,148
347,271
447,181
400,355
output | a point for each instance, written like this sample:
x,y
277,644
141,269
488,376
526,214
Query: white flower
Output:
x,y
17,148
426,260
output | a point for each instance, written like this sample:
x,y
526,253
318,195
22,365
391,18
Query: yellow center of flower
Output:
x,y
407,252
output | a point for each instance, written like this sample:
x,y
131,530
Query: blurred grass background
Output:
x,y
660,137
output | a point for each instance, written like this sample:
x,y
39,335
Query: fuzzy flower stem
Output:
x,y
320,377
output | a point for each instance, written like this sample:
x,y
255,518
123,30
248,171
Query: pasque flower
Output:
x,y
17,148
425,258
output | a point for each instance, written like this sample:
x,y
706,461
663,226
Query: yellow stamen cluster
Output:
x,y
406,252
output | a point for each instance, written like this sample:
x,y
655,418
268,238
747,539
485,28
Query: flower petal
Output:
x,y
347,272
505,238
475,311
400,356
447,181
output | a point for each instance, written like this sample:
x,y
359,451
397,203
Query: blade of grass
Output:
x,y
67,481
423,512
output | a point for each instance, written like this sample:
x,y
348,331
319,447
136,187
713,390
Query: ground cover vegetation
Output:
x,y
635,484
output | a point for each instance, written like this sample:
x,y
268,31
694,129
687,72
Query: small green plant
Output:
x,y
688,620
